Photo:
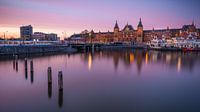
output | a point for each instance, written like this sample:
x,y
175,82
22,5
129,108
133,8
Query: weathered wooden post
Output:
x,y
60,81
49,75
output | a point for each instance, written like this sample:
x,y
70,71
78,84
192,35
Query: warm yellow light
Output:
x,y
147,58
179,64
89,62
132,58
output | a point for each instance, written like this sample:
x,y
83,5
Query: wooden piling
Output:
x,y
49,75
60,81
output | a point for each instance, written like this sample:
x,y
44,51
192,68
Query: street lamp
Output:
x,y
5,36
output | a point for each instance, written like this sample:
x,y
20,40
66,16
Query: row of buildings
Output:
x,y
129,34
26,33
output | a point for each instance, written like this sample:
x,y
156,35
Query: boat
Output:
x,y
191,43
157,43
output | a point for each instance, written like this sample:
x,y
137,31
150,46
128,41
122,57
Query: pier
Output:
x,y
34,49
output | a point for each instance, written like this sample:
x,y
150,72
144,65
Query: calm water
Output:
x,y
118,81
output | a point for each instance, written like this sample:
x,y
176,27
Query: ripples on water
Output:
x,y
124,81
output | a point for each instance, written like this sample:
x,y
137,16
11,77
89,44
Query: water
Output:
x,y
106,81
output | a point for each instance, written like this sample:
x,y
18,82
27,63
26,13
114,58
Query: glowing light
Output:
x,y
146,58
89,62
168,58
132,58
179,64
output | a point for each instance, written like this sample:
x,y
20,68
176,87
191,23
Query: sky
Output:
x,y
74,16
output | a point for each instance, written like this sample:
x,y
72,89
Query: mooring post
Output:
x,y
60,81
49,75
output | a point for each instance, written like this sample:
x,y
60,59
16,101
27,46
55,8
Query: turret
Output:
x,y
116,28
140,32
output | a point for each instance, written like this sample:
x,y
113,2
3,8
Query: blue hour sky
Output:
x,y
76,15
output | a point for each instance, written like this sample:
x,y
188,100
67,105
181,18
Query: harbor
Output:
x,y
108,76
99,56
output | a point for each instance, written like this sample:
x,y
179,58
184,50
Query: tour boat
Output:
x,y
157,43
191,44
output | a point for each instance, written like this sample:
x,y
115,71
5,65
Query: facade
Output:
x,y
52,37
44,37
39,36
129,35
26,32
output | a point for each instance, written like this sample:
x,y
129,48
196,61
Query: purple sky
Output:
x,y
76,15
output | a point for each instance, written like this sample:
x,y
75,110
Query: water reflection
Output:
x,y
60,98
13,64
32,71
16,62
26,69
86,90
60,89
178,60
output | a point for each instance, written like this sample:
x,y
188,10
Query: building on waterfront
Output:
x,y
39,36
45,37
130,35
52,37
26,32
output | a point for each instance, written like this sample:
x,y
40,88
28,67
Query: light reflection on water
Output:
x,y
103,81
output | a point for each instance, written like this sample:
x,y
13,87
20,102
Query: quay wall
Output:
x,y
32,49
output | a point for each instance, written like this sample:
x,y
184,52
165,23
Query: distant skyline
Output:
x,y
74,16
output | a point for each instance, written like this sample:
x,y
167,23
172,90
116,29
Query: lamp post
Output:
x,y
5,37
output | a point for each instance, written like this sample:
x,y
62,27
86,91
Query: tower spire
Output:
x,y
193,22
116,25
140,23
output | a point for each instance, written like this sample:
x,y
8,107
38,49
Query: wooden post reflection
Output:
x,y
16,62
49,75
60,87
32,71
26,68
13,64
